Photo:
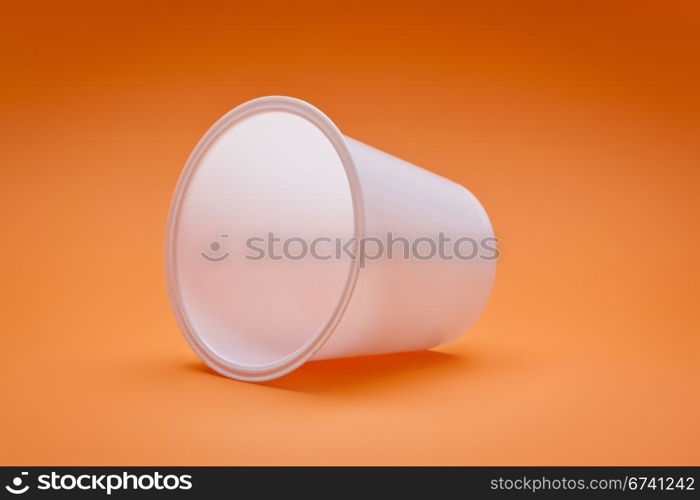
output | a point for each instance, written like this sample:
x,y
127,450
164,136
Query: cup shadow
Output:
x,y
363,373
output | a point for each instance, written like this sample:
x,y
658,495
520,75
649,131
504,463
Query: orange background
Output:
x,y
576,126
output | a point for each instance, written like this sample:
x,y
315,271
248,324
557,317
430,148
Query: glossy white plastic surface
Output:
x,y
278,166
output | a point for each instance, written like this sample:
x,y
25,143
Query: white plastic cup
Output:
x,y
274,177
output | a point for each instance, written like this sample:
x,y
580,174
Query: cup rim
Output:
x,y
316,340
